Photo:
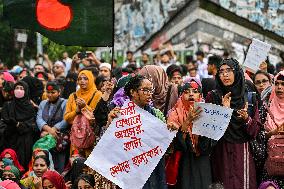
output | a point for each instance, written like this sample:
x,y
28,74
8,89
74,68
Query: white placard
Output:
x,y
22,37
131,147
257,53
213,121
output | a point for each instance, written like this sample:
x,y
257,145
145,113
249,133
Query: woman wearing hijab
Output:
x,y
165,95
78,168
52,180
140,89
194,169
268,185
232,161
12,173
11,154
87,97
274,122
40,166
87,92
19,116
36,89
276,106
39,152
70,85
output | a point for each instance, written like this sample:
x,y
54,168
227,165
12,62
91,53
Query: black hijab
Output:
x,y
22,109
70,85
76,170
35,88
236,132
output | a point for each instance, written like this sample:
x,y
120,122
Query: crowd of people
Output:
x,y
43,144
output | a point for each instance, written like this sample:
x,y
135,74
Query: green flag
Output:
x,y
67,22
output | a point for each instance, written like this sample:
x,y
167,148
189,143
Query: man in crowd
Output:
x,y
202,65
67,61
39,68
213,63
145,59
105,70
165,61
59,69
174,73
129,59
209,83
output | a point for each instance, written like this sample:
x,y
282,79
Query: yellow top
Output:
x,y
85,94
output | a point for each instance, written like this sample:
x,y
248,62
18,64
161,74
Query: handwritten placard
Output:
x,y
213,121
131,147
257,53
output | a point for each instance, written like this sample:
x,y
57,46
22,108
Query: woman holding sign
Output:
x,y
140,90
232,161
194,170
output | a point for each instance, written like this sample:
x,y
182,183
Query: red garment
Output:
x,y
55,178
14,158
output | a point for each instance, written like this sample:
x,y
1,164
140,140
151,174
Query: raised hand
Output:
x,y
37,183
193,114
243,113
112,114
226,100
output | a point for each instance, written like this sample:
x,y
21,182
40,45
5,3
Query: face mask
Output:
x,y
19,93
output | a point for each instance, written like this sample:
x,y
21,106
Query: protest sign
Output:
x,y
131,147
213,121
256,54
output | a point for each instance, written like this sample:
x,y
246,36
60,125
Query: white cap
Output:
x,y
107,65
59,63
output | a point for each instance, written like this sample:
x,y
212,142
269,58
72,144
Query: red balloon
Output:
x,y
53,15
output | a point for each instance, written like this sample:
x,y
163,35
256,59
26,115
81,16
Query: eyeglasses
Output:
x,y
226,71
147,91
259,82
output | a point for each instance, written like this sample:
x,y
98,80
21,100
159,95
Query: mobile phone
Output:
x,y
82,55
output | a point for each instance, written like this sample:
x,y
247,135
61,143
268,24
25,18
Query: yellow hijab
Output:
x,y
87,93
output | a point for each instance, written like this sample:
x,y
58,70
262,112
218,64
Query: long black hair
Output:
x,y
133,84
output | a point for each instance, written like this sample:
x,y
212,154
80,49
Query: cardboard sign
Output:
x,y
131,147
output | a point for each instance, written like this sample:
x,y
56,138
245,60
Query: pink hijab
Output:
x,y
276,108
8,77
179,113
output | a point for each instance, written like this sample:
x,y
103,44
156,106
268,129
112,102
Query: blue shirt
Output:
x,y
39,119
